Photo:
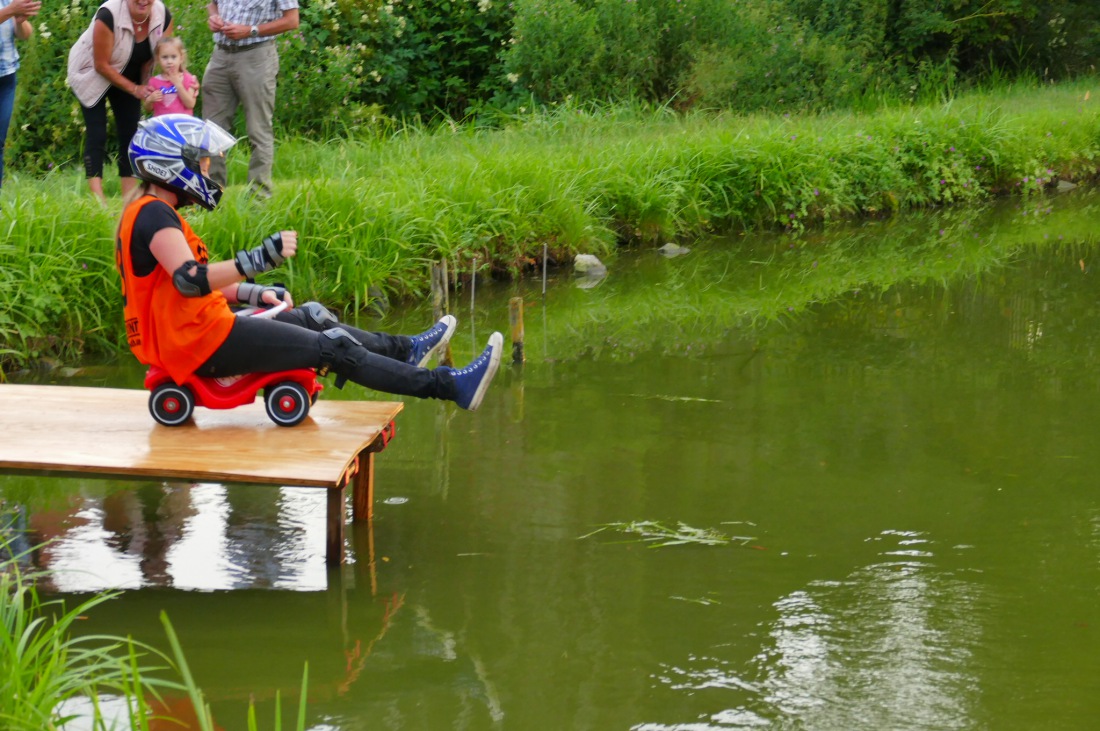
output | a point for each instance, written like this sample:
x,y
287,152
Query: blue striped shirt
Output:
x,y
250,12
9,57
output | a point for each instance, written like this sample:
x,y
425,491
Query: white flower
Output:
x,y
513,78
484,5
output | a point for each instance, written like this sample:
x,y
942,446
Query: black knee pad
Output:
x,y
314,316
340,353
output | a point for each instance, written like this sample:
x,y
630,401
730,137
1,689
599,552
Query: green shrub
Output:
x,y
610,49
354,64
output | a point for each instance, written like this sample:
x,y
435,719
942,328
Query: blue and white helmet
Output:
x,y
167,150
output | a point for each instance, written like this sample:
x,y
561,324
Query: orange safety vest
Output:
x,y
164,328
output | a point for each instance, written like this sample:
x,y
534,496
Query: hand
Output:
x,y
290,243
141,91
263,295
155,96
271,252
236,31
270,297
25,8
215,23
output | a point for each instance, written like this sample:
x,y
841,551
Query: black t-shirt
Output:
x,y
143,51
153,217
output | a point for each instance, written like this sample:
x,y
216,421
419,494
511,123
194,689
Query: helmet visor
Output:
x,y
217,141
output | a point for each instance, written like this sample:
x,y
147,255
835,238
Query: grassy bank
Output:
x,y
373,213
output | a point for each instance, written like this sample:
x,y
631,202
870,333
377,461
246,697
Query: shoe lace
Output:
x,y
428,335
475,365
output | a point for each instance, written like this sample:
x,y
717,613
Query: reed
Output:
x,y
49,675
373,212
44,670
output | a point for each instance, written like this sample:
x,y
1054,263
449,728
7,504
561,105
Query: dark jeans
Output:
x,y
7,103
294,340
127,110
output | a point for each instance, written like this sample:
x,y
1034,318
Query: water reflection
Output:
x,y
200,536
889,646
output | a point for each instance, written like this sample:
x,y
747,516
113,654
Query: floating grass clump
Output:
x,y
658,535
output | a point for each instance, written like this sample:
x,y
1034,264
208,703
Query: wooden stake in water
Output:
x,y
473,286
439,303
438,282
544,270
515,319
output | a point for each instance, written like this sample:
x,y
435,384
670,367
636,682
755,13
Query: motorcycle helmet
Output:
x,y
168,150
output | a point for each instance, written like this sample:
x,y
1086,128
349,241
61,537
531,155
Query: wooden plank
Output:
x,y
110,432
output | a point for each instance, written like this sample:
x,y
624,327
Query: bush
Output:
x,y
355,64
609,49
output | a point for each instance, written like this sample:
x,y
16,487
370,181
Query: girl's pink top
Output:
x,y
171,103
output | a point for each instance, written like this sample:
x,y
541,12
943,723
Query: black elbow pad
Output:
x,y
190,279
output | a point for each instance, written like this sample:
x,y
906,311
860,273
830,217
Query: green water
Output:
x,y
912,468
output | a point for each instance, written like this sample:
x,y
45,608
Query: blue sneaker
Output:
x,y
473,381
430,342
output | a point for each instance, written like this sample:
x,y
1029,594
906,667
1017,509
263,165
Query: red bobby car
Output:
x,y
287,394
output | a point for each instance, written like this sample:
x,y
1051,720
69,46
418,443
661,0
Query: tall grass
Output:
x,y
49,676
42,667
372,213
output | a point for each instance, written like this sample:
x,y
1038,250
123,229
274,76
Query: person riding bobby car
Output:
x,y
177,303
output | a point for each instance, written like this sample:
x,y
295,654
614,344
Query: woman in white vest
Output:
x,y
111,62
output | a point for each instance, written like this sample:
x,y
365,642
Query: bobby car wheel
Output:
x,y
170,404
287,403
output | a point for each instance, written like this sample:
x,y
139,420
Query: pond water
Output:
x,y
885,487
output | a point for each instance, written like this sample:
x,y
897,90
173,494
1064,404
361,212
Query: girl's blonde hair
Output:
x,y
171,41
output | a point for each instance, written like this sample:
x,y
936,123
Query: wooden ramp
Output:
x,y
109,432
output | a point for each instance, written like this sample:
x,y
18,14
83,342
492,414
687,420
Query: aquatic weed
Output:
x,y
659,535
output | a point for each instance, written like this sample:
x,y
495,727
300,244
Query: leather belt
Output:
x,y
237,49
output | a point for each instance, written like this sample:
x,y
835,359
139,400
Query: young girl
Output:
x,y
174,90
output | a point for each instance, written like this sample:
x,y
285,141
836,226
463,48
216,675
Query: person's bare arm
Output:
x,y
213,18
18,11
103,41
187,97
169,247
